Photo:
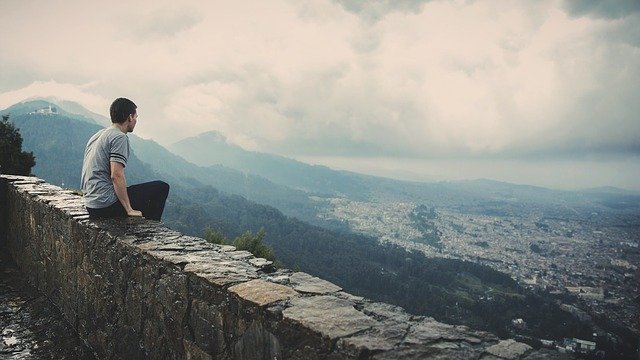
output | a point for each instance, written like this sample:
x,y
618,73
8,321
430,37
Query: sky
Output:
x,y
533,92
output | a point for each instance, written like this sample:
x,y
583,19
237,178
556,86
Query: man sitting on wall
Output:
x,y
103,181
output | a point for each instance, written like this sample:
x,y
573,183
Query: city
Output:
x,y
592,256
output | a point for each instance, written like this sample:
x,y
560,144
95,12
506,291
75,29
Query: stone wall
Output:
x,y
135,289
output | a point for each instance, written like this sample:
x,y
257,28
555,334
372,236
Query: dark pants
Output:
x,y
147,197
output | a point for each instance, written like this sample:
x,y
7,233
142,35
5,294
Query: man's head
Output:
x,y
124,111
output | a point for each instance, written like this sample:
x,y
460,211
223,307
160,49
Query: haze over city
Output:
x,y
539,92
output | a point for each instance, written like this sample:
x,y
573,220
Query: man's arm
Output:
x,y
120,186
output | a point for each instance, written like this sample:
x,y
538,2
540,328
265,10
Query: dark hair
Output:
x,y
120,110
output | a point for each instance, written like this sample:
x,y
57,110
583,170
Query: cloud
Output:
x,y
164,23
73,92
504,84
375,10
609,9
420,79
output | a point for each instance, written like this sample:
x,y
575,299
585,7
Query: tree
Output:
x,y
13,160
215,236
247,241
255,245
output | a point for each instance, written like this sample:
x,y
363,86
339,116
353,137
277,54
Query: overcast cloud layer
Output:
x,y
425,80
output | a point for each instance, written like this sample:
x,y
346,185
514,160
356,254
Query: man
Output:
x,y
103,181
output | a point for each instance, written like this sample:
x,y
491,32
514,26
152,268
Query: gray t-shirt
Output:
x,y
106,145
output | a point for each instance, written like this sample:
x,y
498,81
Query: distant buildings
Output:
x,y
519,324
49,110
578,345
586,292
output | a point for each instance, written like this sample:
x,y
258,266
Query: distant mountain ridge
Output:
x,y
62,107
288,184
483,195
211,148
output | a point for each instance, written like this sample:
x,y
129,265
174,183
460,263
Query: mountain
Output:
x,y
212,148
47,106
79,110
256,188
479,196
609,190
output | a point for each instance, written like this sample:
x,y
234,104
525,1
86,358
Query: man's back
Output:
x,y
106,145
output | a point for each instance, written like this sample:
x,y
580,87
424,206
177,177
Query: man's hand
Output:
x,y
120,187
136,213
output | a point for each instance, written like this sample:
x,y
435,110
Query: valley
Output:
x,y
590,258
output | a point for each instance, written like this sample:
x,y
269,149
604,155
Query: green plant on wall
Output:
x,y
247,241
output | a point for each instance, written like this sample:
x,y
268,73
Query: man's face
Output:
x,y
131,123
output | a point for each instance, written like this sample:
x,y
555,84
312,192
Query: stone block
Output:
x,y
509,349
383,337
257,343
206,323
171,292
261,293
426,352
327,315
193,352
429,330
222,272
306,283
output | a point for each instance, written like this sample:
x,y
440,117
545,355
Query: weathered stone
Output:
x,y
207,323
385,336
257,343
148,245
327,315
171,247
428,352
240,255
382,311
226,279
547,354
226,248
222,272
509,349
193,352
262,292
173,256
204,256
128,239
281,276
430,330
260,262
349,297
310,284
171,291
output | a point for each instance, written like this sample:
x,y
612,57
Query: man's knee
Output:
x,y
162,187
